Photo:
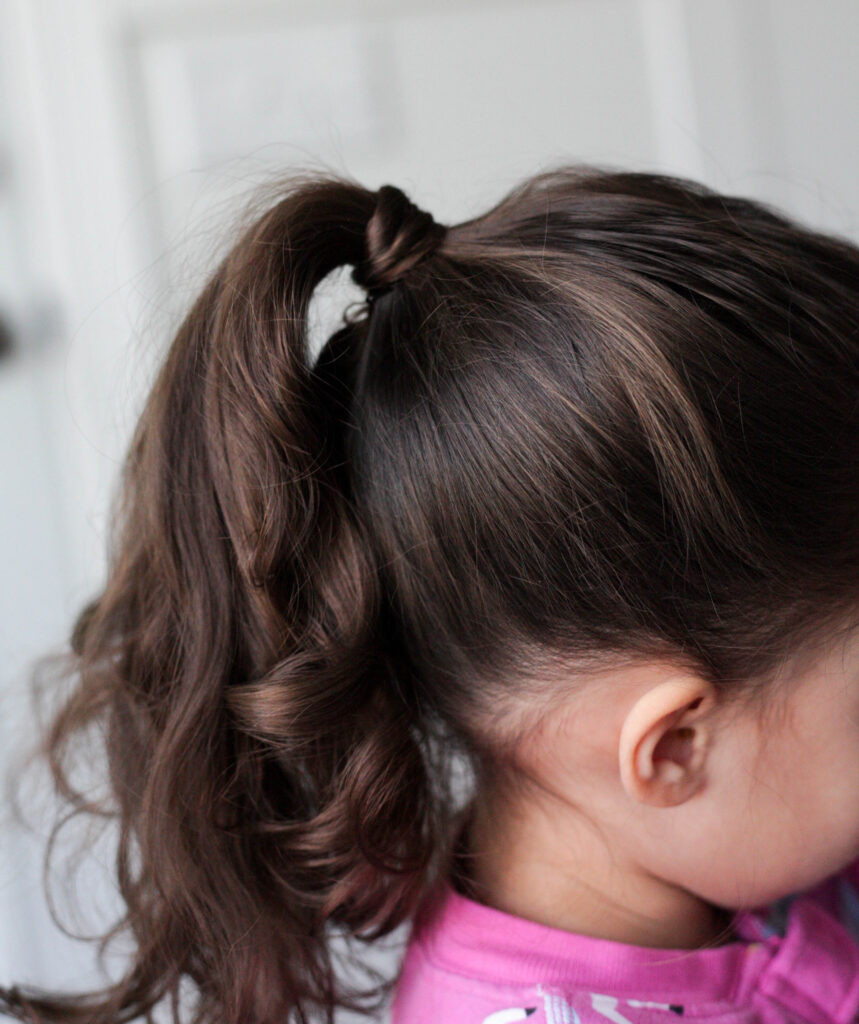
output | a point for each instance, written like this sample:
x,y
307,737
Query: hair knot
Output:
x,y
398,236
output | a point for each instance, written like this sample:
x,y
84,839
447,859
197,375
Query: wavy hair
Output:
x,y
612,416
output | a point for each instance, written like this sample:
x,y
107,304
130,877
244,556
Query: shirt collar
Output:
x,y
813,967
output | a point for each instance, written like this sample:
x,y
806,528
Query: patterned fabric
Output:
x,y
795,961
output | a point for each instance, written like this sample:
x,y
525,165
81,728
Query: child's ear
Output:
x,y
662,750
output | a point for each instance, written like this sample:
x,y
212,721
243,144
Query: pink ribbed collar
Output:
x,y
813,967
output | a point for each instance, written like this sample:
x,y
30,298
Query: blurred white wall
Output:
x,y
129,129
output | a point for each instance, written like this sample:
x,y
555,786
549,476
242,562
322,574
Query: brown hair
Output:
x,y
612,416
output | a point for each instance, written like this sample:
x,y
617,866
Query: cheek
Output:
x,y
786,823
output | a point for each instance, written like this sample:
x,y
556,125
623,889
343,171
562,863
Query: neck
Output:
x,y
546,864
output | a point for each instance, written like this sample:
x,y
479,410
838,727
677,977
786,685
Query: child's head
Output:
x,y
575,496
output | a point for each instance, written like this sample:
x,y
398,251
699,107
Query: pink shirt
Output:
x,y
796,960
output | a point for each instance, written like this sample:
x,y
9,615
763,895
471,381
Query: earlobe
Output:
x,y
663,743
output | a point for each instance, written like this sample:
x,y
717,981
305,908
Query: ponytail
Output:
x,y
270,781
